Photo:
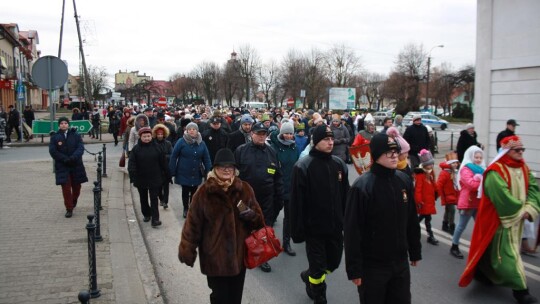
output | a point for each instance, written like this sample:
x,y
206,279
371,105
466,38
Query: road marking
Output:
x,y
464,246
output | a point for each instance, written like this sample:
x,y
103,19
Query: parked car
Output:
x,y
379,117
427,119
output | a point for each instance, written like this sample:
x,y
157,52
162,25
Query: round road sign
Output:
x,y
49,72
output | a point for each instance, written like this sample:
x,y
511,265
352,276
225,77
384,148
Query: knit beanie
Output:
x,y
286,128
426,158
321,132
192,125
144,130
63,118
381,143
300,127
403,144
246,118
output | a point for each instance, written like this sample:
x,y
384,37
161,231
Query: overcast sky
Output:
x,y
161,38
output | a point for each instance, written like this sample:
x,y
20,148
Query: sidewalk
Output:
x,y
44,256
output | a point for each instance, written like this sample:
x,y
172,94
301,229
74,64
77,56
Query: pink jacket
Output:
x,y
468,196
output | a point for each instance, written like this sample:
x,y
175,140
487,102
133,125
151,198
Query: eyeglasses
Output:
x,y
391,153
518,149
225,168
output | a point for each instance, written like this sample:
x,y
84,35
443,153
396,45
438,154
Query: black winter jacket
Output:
x,y
67,153
236,139
464,142
215,140
259,167
418,137
381,224
318,192
147,165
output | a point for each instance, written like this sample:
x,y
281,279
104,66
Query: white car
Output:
x,y
427,119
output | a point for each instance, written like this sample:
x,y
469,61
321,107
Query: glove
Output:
x,y
248,215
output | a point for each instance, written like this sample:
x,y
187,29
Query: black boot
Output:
x,y
185,212
524,297
304,275
287,246
445,226
452,228
432,240
455,252
319,293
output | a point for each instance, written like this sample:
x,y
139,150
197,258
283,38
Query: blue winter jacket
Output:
x,y
67,153
187,161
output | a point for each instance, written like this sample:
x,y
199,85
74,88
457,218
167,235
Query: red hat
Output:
x,y
511,142
144,130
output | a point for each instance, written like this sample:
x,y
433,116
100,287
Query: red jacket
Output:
x,y
425,192
445,186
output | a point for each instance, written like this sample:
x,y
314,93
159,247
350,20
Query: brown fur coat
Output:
x,y
214,226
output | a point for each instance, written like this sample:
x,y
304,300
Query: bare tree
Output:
x,y
98,81
409,70
342,64
209,74
315,79
371,84
249,62
231,81
465,78
293,67
267,77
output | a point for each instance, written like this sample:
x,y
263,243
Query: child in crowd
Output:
x,y
448,189
300,137
470,181
425,192
403,164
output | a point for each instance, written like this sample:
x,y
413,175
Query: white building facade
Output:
x,y
508,74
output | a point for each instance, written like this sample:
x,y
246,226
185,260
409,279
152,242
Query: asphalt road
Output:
x,y
434,280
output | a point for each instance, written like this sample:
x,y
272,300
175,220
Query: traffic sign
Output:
x,y
20,92
49,73
44,126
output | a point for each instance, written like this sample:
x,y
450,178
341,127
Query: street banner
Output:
x,y
361,157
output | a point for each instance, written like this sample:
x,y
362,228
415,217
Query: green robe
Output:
x,y
502,261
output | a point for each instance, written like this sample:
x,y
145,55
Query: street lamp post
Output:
x,y
428,68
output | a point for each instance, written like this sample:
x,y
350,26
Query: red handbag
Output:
x,y
261,246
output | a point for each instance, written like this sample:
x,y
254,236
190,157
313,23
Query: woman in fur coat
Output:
x,y
223,213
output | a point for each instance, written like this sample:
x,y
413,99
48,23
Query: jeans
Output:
x,y
464,217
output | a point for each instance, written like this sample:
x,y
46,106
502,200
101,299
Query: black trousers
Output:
x,y
324,254
427,218
286,223
152,208
10,129
386,284
164,193
187,194
227,290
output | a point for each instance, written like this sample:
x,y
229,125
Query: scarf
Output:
x,y
476,169
402,164
510,162
190,140
247,135
223,184
285,142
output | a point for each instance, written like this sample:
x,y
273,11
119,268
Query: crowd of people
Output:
x,y
238,168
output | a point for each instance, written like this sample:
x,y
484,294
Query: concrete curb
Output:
x,y
139,244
